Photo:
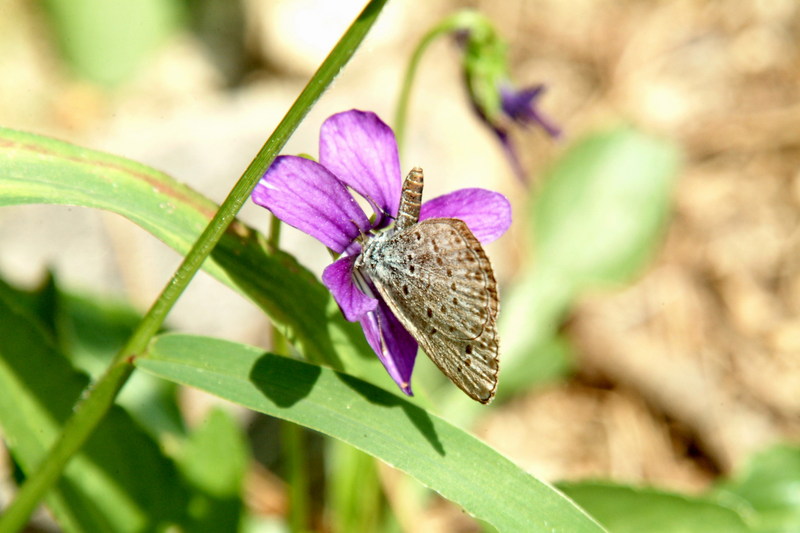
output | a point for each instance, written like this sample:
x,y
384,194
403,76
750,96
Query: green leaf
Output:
x,y
214,460
383,424
596,221
624,509
121,481
769,486
88,331
108,41
601,210
36,169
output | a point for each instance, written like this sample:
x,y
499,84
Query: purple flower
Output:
x,y
518,106
358,152
487,79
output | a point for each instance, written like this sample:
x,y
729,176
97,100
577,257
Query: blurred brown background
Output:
x,y
681,376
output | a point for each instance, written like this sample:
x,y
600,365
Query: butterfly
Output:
x,y
437,280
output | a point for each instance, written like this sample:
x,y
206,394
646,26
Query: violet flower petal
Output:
x,y
361,150
394,346
338,277
304,194
520,105
486,213
517,103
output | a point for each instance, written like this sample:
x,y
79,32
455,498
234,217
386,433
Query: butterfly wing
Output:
x,y
437,280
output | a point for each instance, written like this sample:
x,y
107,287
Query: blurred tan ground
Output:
x,y
698,362
682,375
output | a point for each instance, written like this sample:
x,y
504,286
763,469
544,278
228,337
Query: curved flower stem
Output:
x,y
459,21
401,112
99,398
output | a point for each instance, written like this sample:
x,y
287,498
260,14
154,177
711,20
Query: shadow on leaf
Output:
x,y
418,416
283,380
286,382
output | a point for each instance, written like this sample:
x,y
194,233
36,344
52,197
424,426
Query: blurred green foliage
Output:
x,y
625,509
595,221
123,480
768,488
107,41
764,497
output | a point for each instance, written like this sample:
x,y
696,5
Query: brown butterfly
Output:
x,y
437,280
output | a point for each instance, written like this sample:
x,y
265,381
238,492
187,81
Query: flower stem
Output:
x,y
293,443
274,239
460,20
99,398
292,437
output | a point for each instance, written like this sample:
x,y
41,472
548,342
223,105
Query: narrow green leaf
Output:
x,y
624,509
770,486
381,423
36,169
121,481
